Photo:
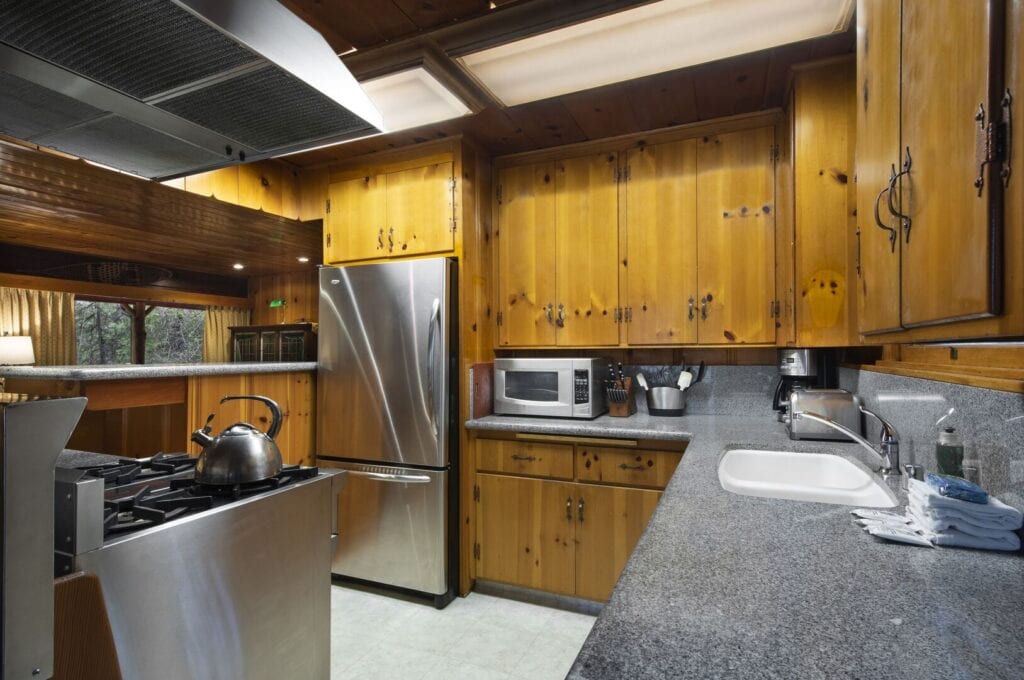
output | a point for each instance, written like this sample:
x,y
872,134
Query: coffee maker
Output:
x,y
798,368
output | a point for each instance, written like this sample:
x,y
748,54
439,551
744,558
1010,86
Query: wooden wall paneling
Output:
x,y
146,294
587,244
312,193
300,291
496,131
295,393
731,86
662,101
525,241
221,184
356,224
547,123
291,200
83,641
824,133
153,429
260,186
421,210
736,236
204,395
785,234
111,394
661,237
604,112
950,229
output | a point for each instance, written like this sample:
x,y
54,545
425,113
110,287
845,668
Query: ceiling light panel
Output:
x,y
657,37
412,98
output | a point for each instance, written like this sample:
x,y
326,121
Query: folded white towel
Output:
x,y
993,514
935,523
951,537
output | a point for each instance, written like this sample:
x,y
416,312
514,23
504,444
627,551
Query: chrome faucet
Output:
x,y
888,451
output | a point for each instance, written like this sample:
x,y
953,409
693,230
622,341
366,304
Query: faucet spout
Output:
x,y
888,451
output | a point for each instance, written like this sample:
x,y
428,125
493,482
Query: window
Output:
x,y
107,332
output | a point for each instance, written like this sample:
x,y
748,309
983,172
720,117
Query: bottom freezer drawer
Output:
x,y
392,526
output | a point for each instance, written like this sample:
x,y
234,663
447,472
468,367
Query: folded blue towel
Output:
x,y
955,487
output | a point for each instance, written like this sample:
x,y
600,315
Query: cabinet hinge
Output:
x,y
476,551
992,144
857,234
774,309
452,184
498,192
327,206
328,238
774,153
617,315
454,221
501,318
629,172
629,314
476,492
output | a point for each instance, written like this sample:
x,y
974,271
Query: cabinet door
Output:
x,y
526,533
355,221
736,237
421,210
661,244
526,255
587,242
951,268
609,522
878,149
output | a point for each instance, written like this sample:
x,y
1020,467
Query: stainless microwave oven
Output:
x,y
557,388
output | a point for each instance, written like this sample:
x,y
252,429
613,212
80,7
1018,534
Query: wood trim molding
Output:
x,y
972,377
155,295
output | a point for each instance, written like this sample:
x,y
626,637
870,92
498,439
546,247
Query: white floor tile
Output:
x,y
479,637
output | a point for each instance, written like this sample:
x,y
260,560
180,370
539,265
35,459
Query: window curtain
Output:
x,y
216,336
45,315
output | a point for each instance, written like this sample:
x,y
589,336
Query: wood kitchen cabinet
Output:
x,y
563,514
409,211
661,238
557,242
930,89
736,237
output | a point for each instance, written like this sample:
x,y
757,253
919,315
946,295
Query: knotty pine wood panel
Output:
x,y
785,234
824,136
204,395
83,641
300,291
295,394
421,210
661,237
736,237
547,122
731,86
603,112
354,228
48,199
587,246
947,254
525,241
878,149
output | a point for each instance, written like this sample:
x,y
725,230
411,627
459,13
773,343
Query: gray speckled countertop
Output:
x,y
137,371
729,586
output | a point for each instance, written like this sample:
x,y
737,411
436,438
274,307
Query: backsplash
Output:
x,y
725,390
990,422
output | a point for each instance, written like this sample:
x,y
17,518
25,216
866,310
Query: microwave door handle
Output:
x,y
434,323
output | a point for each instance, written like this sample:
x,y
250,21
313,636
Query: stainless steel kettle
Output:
x,y
242,453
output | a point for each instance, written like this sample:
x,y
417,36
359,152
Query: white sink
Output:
x,y
818,477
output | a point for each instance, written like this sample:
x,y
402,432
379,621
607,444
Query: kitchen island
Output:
x,y
729,586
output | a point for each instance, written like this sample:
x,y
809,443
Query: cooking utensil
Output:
x,y
685,378
666,401
700,373
242,453
641,380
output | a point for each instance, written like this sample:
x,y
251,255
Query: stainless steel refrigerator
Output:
x,y
386,400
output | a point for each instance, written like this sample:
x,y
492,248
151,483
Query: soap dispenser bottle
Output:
x,y
949,453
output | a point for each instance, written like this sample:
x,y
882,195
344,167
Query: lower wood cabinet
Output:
x,y
568,537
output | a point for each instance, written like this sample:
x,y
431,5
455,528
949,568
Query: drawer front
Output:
x,y
533,459
626,466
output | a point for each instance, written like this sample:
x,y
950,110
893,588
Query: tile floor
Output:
x,y
478,637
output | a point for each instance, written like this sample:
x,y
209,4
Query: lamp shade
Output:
x,y
16,350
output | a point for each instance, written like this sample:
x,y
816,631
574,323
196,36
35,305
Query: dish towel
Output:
x,y
993,514
951,537
931,523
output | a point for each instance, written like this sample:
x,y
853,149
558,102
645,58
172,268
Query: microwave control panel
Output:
x,y
581,385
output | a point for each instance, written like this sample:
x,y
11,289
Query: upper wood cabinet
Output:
x,y
392,214
736,237
557,241
824,249
661,244
929,96
526,254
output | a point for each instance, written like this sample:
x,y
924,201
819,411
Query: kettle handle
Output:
x,y
275,411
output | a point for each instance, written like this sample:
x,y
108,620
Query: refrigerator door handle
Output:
x,y
388,477
434,323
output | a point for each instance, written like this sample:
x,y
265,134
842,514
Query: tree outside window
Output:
x,y
121,332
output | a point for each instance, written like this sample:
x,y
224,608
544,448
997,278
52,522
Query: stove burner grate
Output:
x,y
118,474
288,474
148,507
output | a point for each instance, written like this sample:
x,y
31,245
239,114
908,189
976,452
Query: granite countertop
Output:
x,y
139,371
729,586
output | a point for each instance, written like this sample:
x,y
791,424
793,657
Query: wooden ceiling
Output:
x,y
391,30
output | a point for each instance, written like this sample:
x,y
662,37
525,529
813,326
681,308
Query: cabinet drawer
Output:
x,y
533,459
626,466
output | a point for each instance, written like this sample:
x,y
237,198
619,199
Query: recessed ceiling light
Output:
x,y
653,38
303,259
238,265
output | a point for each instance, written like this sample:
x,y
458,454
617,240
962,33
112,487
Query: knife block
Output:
x,y
621,403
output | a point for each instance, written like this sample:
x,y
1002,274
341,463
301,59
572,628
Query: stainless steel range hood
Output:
x,y
163,88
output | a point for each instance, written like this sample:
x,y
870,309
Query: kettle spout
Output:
x,y
202,437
